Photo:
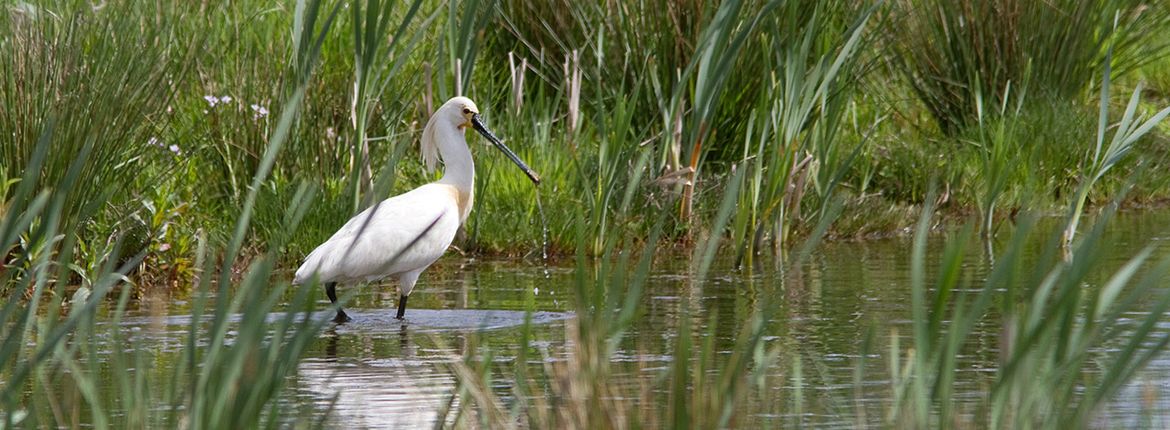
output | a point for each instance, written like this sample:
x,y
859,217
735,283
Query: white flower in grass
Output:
x,y
156,142
214,100
259,111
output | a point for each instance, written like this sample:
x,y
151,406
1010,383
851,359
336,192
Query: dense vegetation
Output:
x,y
164,111
215,143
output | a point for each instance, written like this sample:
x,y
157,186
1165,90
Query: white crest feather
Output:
x,y
429,146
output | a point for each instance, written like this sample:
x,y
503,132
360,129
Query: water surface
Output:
x,y
377,372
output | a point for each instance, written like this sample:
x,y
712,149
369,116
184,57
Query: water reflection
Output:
x,y
833,314
385,393
378,372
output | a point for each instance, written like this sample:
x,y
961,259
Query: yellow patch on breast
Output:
x,y
462,201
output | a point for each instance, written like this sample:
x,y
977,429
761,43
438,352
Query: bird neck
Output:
x,y
458,169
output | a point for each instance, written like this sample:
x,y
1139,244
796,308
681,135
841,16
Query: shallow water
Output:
x,y
378,372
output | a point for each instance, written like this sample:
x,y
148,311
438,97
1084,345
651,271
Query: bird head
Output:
x,y
458,111
461,113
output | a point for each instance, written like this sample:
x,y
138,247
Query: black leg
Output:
x,y
331,291
401,306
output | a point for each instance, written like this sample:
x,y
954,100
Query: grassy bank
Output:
x,y
169,107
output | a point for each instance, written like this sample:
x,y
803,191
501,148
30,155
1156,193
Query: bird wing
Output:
x,y
403,233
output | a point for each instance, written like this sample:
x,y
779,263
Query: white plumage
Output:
x,y
380,241
403,235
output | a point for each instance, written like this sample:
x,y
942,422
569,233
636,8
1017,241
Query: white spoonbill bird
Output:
x,y
403,235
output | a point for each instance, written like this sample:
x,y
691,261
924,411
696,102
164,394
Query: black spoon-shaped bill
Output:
x,y
477,124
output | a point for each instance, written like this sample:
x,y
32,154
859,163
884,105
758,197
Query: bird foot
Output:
x,y
342,318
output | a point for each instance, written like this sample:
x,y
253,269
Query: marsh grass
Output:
x,y
791,148
613,94
69,65
230,373
1131,127
1053,49
377,61
1059,357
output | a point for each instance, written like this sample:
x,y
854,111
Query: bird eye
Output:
x,y
466,111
